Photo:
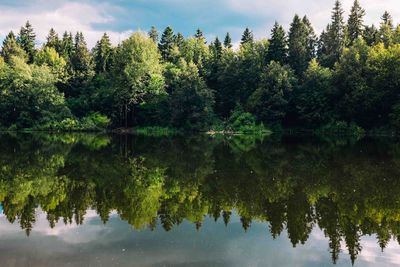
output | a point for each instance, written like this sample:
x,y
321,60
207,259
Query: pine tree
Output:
x,y
80,60
11,48
277,50
335,37
386,29
102,52
167,43
387,19
66,46
26,40
322,41
247,37
200,36
312,39
355,24
297,46
371,35
228,41
179,40
153,34
216,48
52,40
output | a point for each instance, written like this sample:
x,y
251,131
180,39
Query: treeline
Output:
x,y
346,79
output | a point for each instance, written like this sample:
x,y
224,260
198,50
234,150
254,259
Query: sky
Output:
x,y
119,18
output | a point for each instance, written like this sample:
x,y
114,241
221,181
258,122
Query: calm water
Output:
x,y
94,200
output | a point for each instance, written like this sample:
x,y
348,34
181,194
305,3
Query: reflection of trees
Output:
x,y
348,191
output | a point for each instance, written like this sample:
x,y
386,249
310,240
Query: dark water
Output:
x,y
93,200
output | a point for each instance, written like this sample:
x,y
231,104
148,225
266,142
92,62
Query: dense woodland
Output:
x,y
347,78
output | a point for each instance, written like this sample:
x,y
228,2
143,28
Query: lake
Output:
x,y
121,200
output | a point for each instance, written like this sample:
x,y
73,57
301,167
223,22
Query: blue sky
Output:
x,y
215,17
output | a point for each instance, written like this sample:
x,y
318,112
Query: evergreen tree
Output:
x,y
67,46
200,36
11,48
247,37
355,26
179,40
386,29
277,45
81,60
312,39
270,101
334,39
153,34
53,40
216,48
298,52
102,54
387,19
311,99
26,40
371,35
228,41
167,43
396,35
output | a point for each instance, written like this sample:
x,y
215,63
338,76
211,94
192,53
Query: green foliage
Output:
x,y
102,54
138,73
311,99
245,123
155,131
187,83
228,41
28,95
277,50
26,40
191,101
247,37
92,122
271,98
48,56
153,34
11,48
341,128
298,48
292,187
355,26
333,40
167,43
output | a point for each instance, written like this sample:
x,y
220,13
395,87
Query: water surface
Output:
x,y
98,200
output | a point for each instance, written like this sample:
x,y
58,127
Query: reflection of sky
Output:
x,y
116,244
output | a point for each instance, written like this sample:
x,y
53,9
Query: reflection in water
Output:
x,y
348,190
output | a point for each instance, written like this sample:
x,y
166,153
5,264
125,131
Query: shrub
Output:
x,y
244,122
155,131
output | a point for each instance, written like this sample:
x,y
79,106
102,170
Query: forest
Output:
x,y
345,80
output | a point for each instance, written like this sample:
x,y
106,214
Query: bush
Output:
x,y
155,131
93,122
244,122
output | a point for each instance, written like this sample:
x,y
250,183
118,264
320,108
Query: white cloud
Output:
x,y
89,17
319,11
67,16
